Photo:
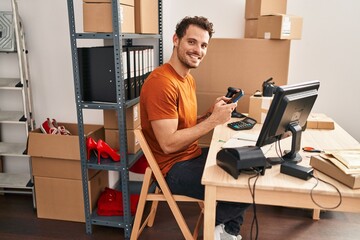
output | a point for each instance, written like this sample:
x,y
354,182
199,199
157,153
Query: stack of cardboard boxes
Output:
x,y
56,165
137,16
57,175
112,129
267,19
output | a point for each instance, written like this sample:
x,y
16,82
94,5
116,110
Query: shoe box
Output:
x,y
56,167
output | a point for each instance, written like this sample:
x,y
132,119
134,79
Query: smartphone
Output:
x,y
236,97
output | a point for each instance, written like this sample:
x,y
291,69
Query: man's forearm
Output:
x,y
203,117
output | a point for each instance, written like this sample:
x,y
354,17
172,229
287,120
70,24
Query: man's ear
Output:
x,y
175,40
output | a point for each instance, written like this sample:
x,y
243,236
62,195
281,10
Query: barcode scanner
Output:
x,y
231,92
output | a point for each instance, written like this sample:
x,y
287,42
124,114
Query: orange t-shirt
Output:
x,y
167,95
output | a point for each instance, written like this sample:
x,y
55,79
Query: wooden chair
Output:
x,y
162,193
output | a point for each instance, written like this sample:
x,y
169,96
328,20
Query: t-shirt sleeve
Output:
x,y
161,96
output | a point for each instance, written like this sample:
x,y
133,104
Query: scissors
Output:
x,y
311,149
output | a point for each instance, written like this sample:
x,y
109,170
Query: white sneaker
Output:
x,y
221,234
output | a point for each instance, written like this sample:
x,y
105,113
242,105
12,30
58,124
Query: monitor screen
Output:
x,y
287,116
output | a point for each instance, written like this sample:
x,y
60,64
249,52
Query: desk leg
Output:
x,y
316,214
209,212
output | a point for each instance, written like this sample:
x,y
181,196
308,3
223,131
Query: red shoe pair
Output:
x,y
101,149
52,127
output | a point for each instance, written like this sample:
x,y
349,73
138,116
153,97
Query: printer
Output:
x,y
235,160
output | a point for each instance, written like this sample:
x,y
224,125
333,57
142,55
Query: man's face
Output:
x,y
191,49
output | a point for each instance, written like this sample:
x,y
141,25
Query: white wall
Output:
x,y
328,51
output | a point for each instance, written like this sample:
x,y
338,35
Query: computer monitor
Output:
x,y
287,116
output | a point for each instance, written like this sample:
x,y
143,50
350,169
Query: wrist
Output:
x,y
207,115
204,117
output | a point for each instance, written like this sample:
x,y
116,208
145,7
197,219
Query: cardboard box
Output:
x,y
58,156
97,17
319,121
146,16
58,168
326,167
243,63
132,118
256,8
62,199
61,146
112,138
251,28
126,2
279,27
259,107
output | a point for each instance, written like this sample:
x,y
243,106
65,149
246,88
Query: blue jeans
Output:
x,y
185,178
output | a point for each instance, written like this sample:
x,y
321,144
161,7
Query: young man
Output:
x,y
172,128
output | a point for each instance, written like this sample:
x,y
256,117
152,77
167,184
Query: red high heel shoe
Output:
x,y
103,147
91,145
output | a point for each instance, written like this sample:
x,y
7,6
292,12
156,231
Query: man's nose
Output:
x,y
197,49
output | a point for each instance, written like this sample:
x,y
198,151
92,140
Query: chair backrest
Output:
x,y
151,161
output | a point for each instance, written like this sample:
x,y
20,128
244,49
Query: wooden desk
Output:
x,y
275,188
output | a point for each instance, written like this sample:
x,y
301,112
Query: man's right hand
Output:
x,y
222,112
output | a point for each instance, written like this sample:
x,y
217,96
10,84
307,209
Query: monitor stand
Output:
x,y
293,155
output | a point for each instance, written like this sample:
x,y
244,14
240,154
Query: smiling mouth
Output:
x,y
194,57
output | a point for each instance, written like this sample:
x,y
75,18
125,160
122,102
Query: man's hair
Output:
x,y
201,22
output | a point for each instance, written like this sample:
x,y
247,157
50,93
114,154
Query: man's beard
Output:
x,y
185,61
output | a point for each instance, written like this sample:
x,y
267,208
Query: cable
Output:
x,y
252,191
279,159
317,183
280,152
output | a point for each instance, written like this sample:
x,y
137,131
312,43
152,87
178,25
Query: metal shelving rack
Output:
x,y
120,106
19,183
